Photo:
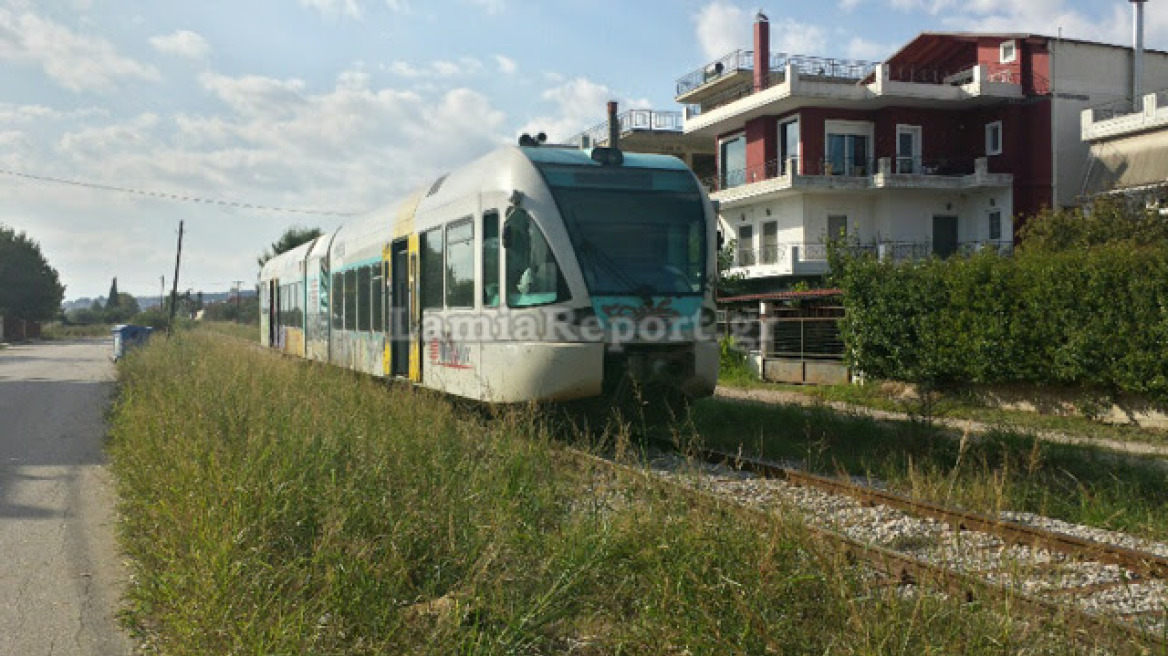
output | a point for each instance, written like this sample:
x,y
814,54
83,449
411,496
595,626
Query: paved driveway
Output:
x,y
60,572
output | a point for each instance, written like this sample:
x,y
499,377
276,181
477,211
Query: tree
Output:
x,y
121,310
1105,221
291,238
112,303
29,288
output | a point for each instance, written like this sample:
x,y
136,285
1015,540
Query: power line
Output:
x,y
171,197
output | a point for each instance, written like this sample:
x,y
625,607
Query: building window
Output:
x,y
789,146
746,245
993,138
847,148
837,227
770,242
732,162
995,225
1007,52
908,149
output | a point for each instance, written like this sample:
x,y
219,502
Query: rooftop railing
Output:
x,y
739,60
633,119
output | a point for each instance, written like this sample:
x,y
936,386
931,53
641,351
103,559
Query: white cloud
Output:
x,y
722,28
74,61
441,68
795,38
849,5
1105,22
507,66
254,95
97,144
399,6
578,104
860,48
490,6
183,43
348,8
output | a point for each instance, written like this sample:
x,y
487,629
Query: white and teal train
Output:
x,y
534,273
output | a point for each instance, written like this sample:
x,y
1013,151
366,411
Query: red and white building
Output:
x,y
936,150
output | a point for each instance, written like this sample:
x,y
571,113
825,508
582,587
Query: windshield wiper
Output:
x,y
599,257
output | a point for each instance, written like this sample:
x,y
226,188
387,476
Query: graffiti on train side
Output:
x,y
446,352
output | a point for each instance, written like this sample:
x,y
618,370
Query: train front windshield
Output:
x,y
635,231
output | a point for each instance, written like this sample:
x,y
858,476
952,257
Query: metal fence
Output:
x,y
633,119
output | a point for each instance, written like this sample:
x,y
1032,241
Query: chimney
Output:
x,y
613,126
1138,55
762,51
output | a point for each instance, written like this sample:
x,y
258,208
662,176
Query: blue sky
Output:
x,y
344,105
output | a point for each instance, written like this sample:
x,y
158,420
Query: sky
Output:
x,y
340,106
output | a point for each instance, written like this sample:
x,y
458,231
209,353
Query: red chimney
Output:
x,y
762,51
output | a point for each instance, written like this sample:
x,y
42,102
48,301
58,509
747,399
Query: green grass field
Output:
x,y
271,506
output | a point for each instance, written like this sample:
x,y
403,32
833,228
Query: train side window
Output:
x,y
377,296
363,292
431,269
533,275
460,264
491,259
337,299
351,299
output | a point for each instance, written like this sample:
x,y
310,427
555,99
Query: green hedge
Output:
x,y
1095,318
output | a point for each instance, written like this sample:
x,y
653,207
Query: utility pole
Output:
x,y
174,288
162,293
238,293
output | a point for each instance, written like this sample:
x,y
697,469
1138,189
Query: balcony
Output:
x,y
732,70
1119,118
633,120
796,81
724,86
784,177
810,258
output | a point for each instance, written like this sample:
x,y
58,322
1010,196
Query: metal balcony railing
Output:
x,y
781,254
994,72
633,119
848,71
738,60
840,167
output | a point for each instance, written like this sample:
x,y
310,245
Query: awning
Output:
x,y
1134,163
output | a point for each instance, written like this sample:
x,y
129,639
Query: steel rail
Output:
x,y
1142,562
906,569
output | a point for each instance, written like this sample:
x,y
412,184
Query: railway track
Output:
x,y
1094,588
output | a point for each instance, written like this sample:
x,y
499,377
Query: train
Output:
x,y
535,273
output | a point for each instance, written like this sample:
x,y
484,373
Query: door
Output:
x,y
908,149
944,235
399,309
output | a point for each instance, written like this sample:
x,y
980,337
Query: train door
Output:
x,y
273,313
415,305
399,309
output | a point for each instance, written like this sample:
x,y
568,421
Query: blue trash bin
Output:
x,y
127,336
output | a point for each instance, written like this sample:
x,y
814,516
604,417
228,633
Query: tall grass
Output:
x,y
276,507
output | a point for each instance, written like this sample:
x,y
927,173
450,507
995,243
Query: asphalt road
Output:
x,y
60,571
